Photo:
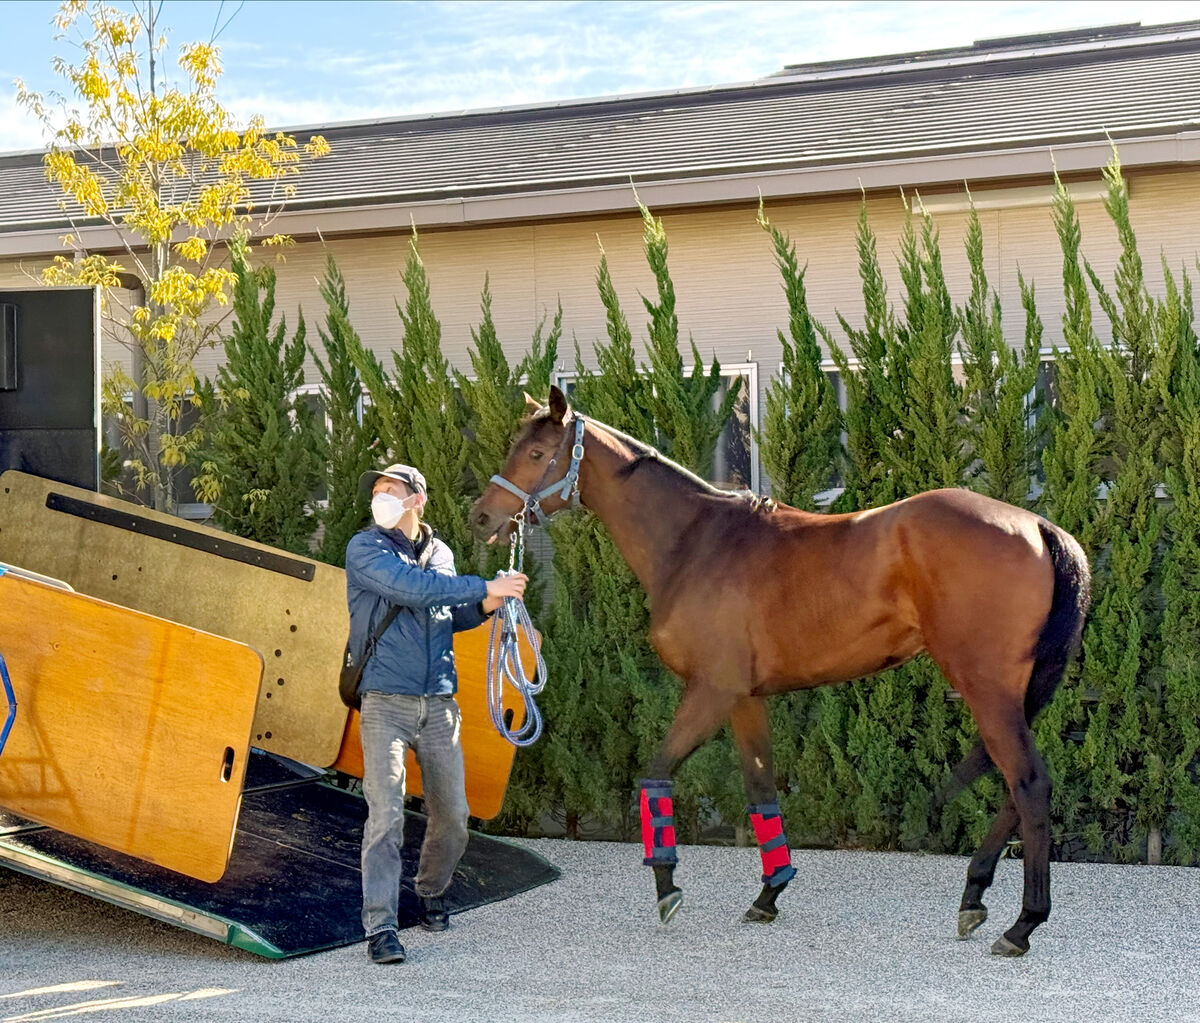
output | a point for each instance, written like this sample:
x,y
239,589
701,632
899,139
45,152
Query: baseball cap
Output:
x,y
403,473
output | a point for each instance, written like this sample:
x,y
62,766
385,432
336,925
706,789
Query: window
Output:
x,y
313,397
834,376
735,458
565,382
125,483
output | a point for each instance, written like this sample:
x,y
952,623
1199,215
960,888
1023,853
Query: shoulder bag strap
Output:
x,y
422,562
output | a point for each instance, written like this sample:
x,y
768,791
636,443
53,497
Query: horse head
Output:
x,y
541,474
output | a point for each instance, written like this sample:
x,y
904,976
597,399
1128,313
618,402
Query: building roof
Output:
x,y
809,128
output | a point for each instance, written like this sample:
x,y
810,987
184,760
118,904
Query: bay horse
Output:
x,y
750,598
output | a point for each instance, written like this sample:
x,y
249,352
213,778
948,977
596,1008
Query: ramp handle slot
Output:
x,y
227,764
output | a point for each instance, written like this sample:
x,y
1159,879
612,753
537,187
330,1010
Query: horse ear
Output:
x,y
532,405
558,405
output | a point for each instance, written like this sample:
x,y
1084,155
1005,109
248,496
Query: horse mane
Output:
x,y
644,453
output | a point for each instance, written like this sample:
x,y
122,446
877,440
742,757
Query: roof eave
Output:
x,y
386,214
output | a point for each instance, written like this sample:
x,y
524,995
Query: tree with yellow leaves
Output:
x,y
156,178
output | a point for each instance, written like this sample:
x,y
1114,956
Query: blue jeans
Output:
x,y
431,725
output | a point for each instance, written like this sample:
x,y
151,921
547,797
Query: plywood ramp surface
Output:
x,y
487,755
291,609
131,731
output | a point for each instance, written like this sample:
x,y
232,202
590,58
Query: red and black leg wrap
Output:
x,y
772,844
658,822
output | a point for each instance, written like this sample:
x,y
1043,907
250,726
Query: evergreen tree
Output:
x,y
1180,743
495,398
617,394
346,443
260,468
596,650
1071,462
1072,456
1121,749
905,411
930,448
1004,444
686,423
800,442
870,406
495,405
801,448
538,365
419,412
998,381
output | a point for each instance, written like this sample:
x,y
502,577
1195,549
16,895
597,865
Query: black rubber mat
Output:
x,y
293,884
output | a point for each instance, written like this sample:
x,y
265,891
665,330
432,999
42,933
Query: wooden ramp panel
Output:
x,y
291,609
101,546
487,755
131,731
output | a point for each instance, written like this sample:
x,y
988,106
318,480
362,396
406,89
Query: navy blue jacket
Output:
x,y
416,653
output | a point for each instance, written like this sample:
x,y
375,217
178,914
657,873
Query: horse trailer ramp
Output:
x,y
293,884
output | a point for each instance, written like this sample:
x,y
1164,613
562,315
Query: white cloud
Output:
x,y
18,128
354,62
455,56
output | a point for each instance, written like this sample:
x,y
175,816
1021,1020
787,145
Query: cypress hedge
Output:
x,y
1102,435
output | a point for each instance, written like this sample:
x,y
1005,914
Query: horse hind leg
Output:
x,y
1008,741
982,869
752,736
1029,782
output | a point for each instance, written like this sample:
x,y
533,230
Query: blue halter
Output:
x,y
567,488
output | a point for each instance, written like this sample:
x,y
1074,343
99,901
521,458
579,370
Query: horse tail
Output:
x,y
1068,609
1055,645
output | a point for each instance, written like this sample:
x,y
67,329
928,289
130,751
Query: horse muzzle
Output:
x,y
490,527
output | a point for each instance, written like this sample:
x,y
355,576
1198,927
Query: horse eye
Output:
x,y
535,455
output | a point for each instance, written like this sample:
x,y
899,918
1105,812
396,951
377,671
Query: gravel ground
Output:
x,y
860,936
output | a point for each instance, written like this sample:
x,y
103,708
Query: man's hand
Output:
x,y
501,587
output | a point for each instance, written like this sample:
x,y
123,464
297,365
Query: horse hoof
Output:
x,y
669,905
758,915
1010,950
969,920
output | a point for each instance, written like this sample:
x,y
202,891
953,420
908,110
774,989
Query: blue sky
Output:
x,y
316,62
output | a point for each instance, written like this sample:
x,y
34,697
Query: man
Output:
x,y
407,690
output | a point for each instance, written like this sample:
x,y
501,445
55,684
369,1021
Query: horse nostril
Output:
x,y
482,519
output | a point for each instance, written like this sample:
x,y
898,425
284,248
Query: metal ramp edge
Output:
x,y
48,868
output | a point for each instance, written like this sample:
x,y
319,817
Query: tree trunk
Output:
x,y
1154,847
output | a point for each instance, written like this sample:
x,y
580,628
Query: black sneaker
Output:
x,y
385,947
433,914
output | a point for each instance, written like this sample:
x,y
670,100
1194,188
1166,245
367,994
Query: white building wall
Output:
x,y
729,296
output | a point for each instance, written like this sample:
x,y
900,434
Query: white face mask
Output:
x,y
388,509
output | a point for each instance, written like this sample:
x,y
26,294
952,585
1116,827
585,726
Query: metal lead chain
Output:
x,y
504,656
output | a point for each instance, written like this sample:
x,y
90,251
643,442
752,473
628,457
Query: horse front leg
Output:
x,y
752,736
701,712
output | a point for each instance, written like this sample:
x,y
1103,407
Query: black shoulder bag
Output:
x,y
351,673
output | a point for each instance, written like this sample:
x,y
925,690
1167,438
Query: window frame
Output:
x,y
564,379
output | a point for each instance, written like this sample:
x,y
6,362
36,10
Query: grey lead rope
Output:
x,y
504,657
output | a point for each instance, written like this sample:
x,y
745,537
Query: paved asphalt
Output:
x,y
861,936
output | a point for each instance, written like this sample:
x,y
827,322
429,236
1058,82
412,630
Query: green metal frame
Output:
x,y
46,868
